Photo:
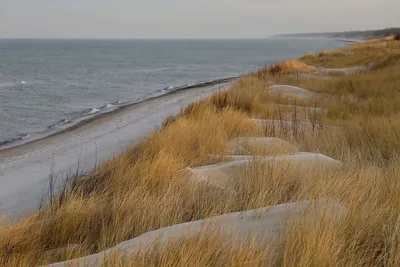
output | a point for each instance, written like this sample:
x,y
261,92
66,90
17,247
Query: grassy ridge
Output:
x,y
146,187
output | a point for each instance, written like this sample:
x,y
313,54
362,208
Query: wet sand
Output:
x,y
25,169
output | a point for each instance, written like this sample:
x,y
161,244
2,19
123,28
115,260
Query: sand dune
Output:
x,y
259,145
306,76
265,226
290,90
344,71
223,175
282,125
302,109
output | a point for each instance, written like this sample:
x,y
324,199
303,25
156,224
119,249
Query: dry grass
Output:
x,y
145,188
198,251
259,148
286,67
333,53
142,191
355,55
368,236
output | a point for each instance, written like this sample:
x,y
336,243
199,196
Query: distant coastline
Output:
x,y
51,131
348,36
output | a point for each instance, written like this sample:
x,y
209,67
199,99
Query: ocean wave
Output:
x,y
168,88
119,102
92,111
25,137
16,139
77,116
6,142
60,123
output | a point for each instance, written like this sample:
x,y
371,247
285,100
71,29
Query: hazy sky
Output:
x,y
190,18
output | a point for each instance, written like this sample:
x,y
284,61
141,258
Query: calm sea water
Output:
x,y
48,85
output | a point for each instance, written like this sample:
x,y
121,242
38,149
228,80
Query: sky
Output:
x,y
190,18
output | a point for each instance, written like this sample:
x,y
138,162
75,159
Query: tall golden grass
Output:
x,y
285,67
146,188
199,250
355,55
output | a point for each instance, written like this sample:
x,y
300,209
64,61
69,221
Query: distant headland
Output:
x,y
347,35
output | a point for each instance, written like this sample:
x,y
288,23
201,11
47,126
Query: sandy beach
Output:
x,y
25,169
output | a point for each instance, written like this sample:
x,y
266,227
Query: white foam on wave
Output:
x,y
15,139
93,111
23,82
63,121
60,123
25,137
109,105
165,89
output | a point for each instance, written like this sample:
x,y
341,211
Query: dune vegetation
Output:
x,y
148,186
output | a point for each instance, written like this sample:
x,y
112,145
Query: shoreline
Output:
x,y
338,39
25,169
17,142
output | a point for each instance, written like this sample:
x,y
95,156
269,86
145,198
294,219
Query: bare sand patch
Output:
x,y
223,175
307,76
281,126
260,146
344,71
303,109
290,90
266,226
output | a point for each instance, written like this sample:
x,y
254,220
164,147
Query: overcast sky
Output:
x,y
190,18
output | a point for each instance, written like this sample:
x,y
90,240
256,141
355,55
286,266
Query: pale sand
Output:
x,y
290,90
306,76
259,146
287,125
24,170
265,226
303,109
223,175
344,71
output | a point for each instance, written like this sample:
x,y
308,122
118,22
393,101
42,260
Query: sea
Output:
x,y
49,85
